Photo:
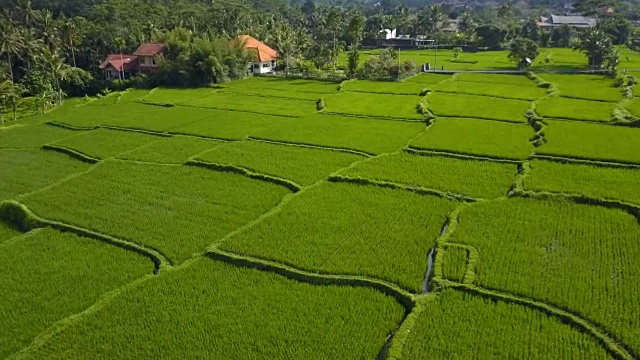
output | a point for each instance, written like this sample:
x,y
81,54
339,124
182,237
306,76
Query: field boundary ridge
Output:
x,y
18,214
404,297
393,185
319,147
420,151
289,184
72,153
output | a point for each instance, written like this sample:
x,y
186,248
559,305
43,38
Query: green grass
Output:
x,y
278,94
425,79
177,210
589,87
226,100
232,125
31,136
374,105
565,108
372,136
103,143
475,178
48,275
25,171
384,87
7,231
530,92
454,263
591,141
592,181
456,325
351,229
478,137
302,165
472,106
528,247
632,105
215,310
287,85
174,150
518,80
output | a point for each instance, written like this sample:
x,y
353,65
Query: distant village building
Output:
x,y
574,21
263,58
122,66
388,38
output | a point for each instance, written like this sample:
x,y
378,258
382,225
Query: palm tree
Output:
x,y
14,97
11,43
48,29
54,65
119,43
5,88
71,36
29,16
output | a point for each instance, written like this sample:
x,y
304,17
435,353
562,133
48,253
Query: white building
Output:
x,y
264,58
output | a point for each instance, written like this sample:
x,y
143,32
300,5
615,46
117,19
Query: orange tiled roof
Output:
x,y
118,61
261,51
149,49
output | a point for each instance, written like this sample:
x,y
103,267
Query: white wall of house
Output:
x,y
262,67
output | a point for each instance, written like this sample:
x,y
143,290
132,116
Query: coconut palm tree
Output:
x,y
11,42
119,43
70,36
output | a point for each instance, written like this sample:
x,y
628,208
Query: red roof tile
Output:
x,y
117,61
149,49
261,51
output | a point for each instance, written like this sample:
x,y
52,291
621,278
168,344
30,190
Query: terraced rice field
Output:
x,y
445,216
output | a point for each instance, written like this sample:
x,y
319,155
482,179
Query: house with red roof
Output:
x,y
122,66
263,58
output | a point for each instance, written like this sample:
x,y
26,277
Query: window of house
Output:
x,y
153,60
267,65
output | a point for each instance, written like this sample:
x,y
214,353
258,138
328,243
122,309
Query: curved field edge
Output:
x,y
72,153
613,346
18,214
289,184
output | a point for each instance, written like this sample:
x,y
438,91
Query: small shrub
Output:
x,y
320,104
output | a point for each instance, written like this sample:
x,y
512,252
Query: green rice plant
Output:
x,y
491,89
104,143
48,275
428,78
475,178
529,246
351,229
591,141
177,96
173,150
470,326
224,124
176,210
210,309
374,105
25,171
278,94
303,165
517,80
117,115
7,231
633,106
227,100
384,87
369,136
31,136
482,107
454,263
288,85
592,181
492,139
589,87
575,109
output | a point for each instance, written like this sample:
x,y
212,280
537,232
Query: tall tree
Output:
x,y
598,47
11,42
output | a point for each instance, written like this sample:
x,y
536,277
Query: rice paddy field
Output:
x,y
464,216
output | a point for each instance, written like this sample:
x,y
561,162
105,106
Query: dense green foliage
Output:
x,y
591,141
454,263
477,137
593,181
485,328
157,205
475,178
527,246
324,230
219,310
7,231
302,165
48,275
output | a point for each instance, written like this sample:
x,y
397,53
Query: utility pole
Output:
x,y
435,61
399,67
